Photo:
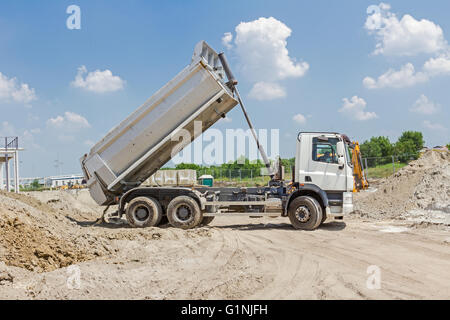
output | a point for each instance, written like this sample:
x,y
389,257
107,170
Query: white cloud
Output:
x,y
424,106
404,37
226,40
266,91
299,118
405,77
7,129
12,90
227,119
438,66
97,81
69,120
355,108
261,48
434,126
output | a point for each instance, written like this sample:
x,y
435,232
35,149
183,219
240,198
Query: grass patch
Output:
x,y
384,170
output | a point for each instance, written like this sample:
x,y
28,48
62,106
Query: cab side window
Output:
x,y
325,151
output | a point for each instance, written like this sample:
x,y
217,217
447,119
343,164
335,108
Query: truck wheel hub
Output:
x,y
142,213
302,214
183,212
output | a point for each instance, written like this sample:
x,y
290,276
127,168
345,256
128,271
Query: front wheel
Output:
x,y
184,212
305,213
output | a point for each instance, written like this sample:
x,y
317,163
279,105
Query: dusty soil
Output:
x,y
50,249
419,190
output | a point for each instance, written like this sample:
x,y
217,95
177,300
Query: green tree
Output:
x,y
183,166
415,136
35,184
406,150
379,148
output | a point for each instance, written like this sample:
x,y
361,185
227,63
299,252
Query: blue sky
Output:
x,y
143,44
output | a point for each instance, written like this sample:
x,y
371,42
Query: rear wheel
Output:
x,y
183,212
305,213
143,212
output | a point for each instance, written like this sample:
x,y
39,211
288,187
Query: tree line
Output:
x,y
242,167
379,150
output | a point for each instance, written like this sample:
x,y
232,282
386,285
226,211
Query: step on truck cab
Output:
x,y
141,144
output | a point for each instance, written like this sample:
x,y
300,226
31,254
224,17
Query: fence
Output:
x,y
239,176
379,167
374,167
11,143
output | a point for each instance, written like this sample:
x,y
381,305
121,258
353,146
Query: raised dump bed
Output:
x,y
144,141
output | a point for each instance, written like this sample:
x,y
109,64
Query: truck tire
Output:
x,y
206,221
305,213
183,212
143,212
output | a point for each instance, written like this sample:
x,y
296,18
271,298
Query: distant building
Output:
x,y
65,180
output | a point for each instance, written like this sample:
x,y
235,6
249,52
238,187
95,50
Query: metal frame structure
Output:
x,y
9,150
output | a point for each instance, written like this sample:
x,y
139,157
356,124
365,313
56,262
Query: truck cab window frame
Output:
x,y
325,151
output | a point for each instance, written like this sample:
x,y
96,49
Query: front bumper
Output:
x,y
340,211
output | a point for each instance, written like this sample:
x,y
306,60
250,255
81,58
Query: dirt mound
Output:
x,y
43,231
422,185
38,237
29,247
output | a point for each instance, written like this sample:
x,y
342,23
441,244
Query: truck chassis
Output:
x,y
306,205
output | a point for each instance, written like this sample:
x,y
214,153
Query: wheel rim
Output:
x,y
183,212
303,214
142,213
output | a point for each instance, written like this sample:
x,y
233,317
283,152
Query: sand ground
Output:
x,y
396,245
239,258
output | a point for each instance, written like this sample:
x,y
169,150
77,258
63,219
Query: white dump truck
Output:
x,y
206,91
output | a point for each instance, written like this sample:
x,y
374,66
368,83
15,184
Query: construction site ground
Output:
x,y
50,249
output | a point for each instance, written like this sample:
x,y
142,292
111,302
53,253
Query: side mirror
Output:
x,y
340,149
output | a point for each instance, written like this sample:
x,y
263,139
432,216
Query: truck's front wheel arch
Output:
x,y
315,193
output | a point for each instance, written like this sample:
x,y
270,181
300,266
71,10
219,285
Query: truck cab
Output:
x,y
323,165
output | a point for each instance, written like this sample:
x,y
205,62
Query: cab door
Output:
x,y
323,167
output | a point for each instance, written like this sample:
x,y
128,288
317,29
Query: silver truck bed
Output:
x,y
143,142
